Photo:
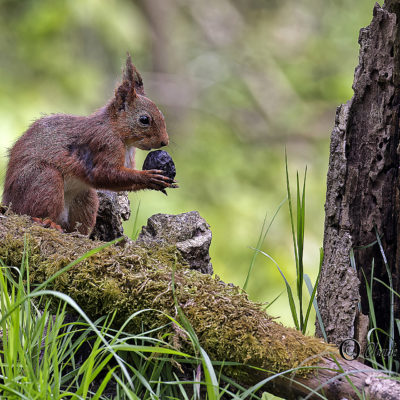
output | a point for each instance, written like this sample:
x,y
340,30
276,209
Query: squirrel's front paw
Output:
x,y
157,181
161,161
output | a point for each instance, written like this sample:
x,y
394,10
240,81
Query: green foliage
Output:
x,y
300,320
298,243
43,356
131,278
40,352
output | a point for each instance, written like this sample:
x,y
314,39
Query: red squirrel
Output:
x,y
56,165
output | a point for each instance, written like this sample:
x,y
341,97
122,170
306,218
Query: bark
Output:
x,y
188,232
113,209
363,186
128,277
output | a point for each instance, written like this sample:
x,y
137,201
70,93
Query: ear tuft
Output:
x,y
131,74
128,71
130,87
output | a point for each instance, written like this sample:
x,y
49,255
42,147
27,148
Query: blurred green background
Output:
x,y
238,81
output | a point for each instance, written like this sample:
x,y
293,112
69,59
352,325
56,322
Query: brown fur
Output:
x,y
56,165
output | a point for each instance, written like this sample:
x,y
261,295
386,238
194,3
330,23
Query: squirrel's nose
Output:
x,y
164,144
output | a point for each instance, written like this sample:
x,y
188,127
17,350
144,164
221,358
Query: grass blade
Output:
x,y
391,304
261,240
292,304
291,214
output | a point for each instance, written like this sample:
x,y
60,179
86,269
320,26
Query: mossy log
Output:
x,y
133,276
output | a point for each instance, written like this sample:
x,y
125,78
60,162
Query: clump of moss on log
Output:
x,y
131,277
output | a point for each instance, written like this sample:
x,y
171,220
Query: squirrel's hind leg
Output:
x,y
38,193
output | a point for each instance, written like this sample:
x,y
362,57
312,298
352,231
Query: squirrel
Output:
x,y
56,165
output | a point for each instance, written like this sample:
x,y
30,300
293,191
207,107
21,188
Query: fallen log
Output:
x,y
132,276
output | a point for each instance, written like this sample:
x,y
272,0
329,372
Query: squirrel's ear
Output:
x,y
132,75
126,91
124,94
131,86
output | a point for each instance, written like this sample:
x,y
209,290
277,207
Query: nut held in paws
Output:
x,y
160,159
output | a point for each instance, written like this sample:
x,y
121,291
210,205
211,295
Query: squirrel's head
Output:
x,y
135,117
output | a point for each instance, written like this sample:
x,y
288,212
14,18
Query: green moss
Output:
x,y
128,278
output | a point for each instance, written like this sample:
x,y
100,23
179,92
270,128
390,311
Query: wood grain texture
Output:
x,y
362,184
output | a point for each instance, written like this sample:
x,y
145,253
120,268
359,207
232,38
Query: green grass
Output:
x,y
46,356
41,354
300,310
300,320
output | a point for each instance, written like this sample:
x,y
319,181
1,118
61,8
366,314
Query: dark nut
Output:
x,y
160,159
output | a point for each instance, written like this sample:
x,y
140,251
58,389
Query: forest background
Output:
x,y
237,81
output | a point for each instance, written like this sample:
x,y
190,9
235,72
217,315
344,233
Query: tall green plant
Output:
x,y
298,237
301,312
298,248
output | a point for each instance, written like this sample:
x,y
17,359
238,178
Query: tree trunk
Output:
x,y
362,198
131,276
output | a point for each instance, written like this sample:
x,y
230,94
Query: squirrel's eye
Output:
x,y
144,119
